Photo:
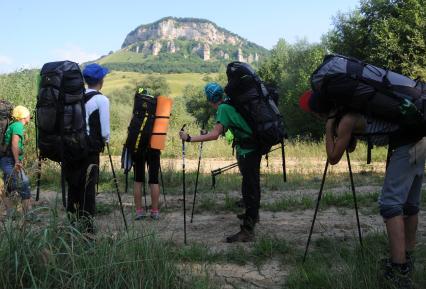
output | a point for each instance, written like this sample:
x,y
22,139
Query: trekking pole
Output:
x,y
144,192
355,201
38,157
183,186
196,178
218,171
116,185
126,182
316,210
283,161
162,186
38,178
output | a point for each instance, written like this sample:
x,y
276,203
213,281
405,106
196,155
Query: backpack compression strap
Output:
x,y
88,96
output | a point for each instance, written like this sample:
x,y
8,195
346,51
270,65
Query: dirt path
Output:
x,y
309,165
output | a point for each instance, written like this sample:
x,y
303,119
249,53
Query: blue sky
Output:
x,y
34,32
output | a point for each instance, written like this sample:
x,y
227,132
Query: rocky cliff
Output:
x,y
174,40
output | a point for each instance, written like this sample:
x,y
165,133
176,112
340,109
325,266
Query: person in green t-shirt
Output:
x,y
227,118
14,176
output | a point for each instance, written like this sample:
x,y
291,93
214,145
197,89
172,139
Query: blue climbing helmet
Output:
x,y
214,92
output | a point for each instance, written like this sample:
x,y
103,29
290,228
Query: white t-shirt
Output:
x,y
99,102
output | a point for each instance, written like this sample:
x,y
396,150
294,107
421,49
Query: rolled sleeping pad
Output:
x,y
161,123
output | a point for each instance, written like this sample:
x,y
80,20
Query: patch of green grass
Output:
x,y
104,208
58,256
340,264
267,247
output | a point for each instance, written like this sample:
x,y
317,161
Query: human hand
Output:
x,y
183,135
18,166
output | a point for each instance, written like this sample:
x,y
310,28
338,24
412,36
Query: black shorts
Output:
x,y
152,160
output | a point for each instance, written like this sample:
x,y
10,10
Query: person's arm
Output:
x,y
14,145
336,145
104,117
211,135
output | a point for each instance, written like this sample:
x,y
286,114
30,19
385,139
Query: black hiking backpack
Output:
x,y
349,84
256,104
60,113
5,119
140,128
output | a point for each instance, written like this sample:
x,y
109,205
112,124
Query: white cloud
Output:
x,y
5,60
74,53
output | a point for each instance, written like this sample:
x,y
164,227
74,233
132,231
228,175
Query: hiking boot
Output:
x,y
387,262
243,216
240,203
410,261
155,215
140,216
243,235
398,275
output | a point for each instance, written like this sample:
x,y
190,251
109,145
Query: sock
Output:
x,y
139,212
155,211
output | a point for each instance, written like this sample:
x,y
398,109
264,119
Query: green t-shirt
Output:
x,y
16,128
227,116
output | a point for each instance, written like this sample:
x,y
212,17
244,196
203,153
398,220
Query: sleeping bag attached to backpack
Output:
x,y
256,104
60,113
5,119
346,83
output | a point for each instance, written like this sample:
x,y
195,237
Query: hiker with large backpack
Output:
x,y
248,158
11,158
250,113
357,106
146,138
82,175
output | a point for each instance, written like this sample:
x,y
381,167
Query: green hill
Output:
x,y
178,45
119,80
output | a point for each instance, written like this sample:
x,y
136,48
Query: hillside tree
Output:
x,y
387,33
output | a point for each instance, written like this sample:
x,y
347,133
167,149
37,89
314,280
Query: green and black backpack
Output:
x,y
5,119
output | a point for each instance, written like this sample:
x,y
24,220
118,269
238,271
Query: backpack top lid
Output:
x,y
241,78
59,66
5,109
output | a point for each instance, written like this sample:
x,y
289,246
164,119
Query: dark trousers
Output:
x,y
82,179
249,166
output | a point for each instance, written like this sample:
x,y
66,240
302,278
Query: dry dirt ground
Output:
x,y
210,229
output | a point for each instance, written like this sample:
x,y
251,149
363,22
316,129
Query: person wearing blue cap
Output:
x,y
82,180
227,118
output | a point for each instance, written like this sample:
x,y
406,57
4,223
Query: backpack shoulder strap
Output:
x,y
88,96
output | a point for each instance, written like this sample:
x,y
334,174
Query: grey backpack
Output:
x,y
353,85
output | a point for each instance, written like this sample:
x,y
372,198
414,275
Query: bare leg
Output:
x,y
410,225
7,203
26,205
396,234
137,195
155,195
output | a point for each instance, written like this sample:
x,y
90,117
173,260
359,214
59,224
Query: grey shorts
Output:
x,y
402,186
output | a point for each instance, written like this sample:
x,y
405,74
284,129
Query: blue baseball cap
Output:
x,y
93,73
213,91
